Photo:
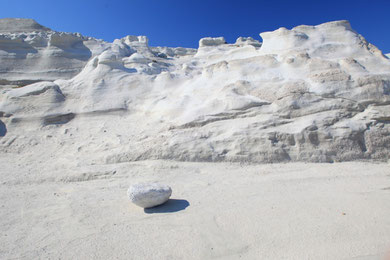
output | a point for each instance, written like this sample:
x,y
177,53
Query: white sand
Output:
x,y
272,211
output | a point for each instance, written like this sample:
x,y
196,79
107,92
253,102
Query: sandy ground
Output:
x,y
217,211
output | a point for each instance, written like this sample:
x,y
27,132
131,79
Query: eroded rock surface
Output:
x,y
313,93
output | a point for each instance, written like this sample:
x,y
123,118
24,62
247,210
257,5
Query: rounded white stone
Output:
x,y
147,195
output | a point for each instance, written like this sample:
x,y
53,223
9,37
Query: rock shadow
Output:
x,y
58,119
3,129
172,205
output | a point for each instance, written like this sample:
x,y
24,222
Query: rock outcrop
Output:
x,y
209,41
30,52
313,93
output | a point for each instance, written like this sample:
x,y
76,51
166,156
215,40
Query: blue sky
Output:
x,y
183,23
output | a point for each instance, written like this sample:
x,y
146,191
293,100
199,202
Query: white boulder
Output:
x,y
147,195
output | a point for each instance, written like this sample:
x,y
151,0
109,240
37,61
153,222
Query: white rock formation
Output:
x,y
30,52
313,93
20,25
147,195
242,41
209,41
40,97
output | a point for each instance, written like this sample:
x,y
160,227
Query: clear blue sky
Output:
x,y
183,23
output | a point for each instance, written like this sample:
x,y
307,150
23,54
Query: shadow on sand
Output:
x,y
170,206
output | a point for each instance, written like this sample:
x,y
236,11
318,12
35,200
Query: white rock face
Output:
x,y
209,41
38,97
20,25
30,52
147,195
242,41
312,93
172,52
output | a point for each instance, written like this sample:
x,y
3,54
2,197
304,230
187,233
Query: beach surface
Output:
x,y
217,211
